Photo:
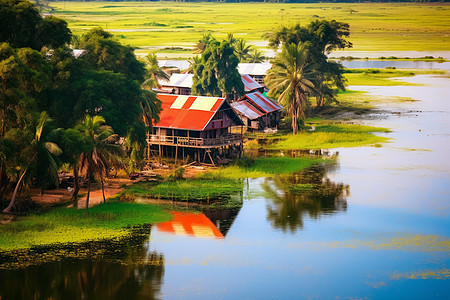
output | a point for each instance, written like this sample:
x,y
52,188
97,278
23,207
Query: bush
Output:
x,y
177,174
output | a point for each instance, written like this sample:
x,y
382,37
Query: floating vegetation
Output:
x,y
71,225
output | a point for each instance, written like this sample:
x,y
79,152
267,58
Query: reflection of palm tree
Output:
x,y
307,193
291,80
100,151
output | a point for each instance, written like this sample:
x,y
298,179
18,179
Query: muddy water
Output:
x,y
376,226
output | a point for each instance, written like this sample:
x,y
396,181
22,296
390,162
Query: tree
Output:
x,y
216,72
242,50
40,158
323,36
203,43
101,152
256,56
154,72
292,80
104,52
22,26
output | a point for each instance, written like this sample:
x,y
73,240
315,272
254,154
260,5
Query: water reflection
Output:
x,y
306,194
98,270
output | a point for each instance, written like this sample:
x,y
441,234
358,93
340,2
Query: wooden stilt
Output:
x,y
209,154
176,153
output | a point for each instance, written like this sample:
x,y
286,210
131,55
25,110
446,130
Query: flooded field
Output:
x,y
375,226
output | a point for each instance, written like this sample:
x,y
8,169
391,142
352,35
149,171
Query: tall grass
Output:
x,y
70,225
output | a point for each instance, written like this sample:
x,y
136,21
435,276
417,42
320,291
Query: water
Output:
x,y
398,64
376,226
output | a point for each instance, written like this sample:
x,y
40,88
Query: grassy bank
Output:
x,y
383,77
185,190
70,225
324,134
266,167
374,26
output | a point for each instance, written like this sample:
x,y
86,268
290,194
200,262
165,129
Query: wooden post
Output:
x,y
176,153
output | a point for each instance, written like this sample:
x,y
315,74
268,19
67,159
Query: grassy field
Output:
x,y
151,25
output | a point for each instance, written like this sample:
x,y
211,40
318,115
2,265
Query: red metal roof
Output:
x,y
249,83
246,109
187,112
264,104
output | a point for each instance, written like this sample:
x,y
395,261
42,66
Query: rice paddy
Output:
x,y
153,25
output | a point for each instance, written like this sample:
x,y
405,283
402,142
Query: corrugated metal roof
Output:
x,y
246,109
187,112
180,64
254,68
249,83
264,104
179,80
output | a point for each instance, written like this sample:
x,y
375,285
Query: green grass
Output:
x,y
330,134
186,190
69,225
382,77
267,167
374,26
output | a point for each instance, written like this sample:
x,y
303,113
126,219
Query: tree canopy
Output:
x,y
215,73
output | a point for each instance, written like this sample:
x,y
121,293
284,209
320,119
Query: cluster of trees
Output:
x,y
301,70
54,107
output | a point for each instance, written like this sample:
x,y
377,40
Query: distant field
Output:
x,y
150,25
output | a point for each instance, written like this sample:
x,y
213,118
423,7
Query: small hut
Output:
x,y
257,111
198,127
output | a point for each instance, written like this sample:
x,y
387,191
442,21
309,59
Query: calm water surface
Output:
x,y
376,226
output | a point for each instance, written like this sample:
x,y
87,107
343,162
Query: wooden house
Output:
x,y
257,111
195,126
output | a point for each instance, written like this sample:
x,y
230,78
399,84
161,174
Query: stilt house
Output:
x,y
195,126
257,111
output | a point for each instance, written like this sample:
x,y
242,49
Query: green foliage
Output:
x,y
22,26
215,73
186,190
245,161
63,225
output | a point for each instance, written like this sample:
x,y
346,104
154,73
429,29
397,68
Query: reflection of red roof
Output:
x,y
187,112
190,224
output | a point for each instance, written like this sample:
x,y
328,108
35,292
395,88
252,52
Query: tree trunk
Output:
x,y
13,199
89,191
76,183
103,189
294,124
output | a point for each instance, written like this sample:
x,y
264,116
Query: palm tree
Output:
x,y
292,80
203,43
154,72
255,56
41,154
100,154
242,50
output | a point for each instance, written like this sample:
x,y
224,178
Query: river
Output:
x,y
377,227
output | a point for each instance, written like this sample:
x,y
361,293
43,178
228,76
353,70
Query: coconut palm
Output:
x,y
242,50
201,45
292,80
100,154
154,72
255,56
40,157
